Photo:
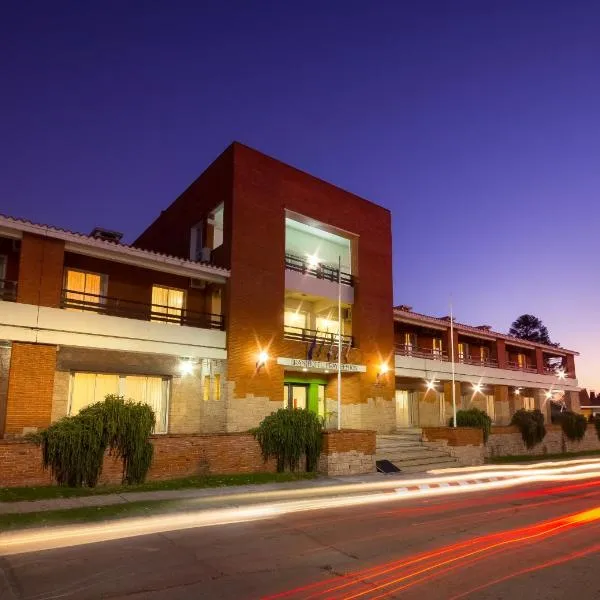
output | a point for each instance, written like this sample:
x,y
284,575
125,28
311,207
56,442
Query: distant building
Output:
x,y
226,309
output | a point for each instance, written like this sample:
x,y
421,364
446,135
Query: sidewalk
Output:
x,y
211,497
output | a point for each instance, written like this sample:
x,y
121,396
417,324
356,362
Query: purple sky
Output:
x,y
476,122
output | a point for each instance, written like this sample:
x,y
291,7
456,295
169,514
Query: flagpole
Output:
x,y
339,366
452,364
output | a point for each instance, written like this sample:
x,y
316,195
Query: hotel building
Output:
x,y
239,299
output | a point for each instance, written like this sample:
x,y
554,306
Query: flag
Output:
x,y
311,348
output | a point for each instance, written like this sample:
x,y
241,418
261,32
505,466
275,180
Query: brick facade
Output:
x,y
30,388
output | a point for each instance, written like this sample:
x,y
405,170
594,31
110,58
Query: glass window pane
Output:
x,y
167,304
149,390
88,388
327,325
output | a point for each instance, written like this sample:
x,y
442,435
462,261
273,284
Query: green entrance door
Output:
x,y
304,393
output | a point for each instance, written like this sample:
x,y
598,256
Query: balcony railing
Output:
x,y
299,264
319,337
8,290
409,350
116,307
478,361
515,366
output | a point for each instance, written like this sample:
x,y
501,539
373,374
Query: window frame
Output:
x,y
103,282
166,385
182,308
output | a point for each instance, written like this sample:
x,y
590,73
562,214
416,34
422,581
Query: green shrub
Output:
x,y
288,434
573,425
473,417
595,419
73,448
531,425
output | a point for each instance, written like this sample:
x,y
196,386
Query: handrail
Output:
x,y
132,309
8,290
321,337
410,350
478,361
515,366
321,271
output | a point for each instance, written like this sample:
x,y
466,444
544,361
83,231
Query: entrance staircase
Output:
x,y
409,454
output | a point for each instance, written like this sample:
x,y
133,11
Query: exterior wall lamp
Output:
x,y
186,367
261,360
383,370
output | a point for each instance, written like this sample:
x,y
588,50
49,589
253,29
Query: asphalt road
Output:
x,y
540,542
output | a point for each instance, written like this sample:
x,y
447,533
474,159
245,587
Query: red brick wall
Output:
x,y
456,436
40,270
264,189
170,232
346,440
30,387
174,457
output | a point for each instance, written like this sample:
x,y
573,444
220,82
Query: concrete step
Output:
x,y
399,444
415,455
427,467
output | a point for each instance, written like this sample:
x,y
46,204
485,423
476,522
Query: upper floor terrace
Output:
x,y
423,344
94,291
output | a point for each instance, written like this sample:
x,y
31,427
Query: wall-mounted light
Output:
x,y
430,385
383,369
186,367
477,388
261,360
561,374
313,261
517,391
549,395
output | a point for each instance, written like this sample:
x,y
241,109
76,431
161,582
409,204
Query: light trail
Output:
x,y
27,541
383,580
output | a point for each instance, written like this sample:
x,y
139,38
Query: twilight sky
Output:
x,y
476,122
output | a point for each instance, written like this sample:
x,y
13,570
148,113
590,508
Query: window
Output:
x,y
463,351
2,266
410,340
294,320
167,304
83,288
88,388
217,223
521,361
437,346
528,403
327,325
484,354
206,388
217,393
490,407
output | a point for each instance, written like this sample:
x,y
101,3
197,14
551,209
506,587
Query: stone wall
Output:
x,y
348,452
507,441
376,414
463,443
345,452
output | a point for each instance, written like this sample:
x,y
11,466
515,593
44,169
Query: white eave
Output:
x,y
89,246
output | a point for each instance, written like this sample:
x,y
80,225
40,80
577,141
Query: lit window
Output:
x,y
521,361
528,403
83,289
88,388
167,304
327,325
490,407
294,320
217,222
484,353
437,346
206,388
217,394
463,351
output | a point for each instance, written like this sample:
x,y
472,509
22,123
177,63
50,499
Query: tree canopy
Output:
x,y
529,327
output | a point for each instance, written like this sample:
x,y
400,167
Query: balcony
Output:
x,y
116,307
320,337
8,290
478,361
430,353
526,368
320,271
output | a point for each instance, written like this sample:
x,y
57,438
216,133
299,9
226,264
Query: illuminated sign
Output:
x,y
318,365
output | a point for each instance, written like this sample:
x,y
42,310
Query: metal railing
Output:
x,y
301,265
116,307
478,361
8,290
515,366
409,350
320,337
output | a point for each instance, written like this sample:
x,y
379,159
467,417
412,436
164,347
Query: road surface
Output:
x,y
539,542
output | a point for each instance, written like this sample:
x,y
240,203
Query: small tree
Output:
x,y
473,417
288,434
73,448
573,425
531,425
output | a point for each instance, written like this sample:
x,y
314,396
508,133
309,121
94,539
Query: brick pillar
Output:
x,y
448,346
539,360
40,270
572,401
501,354
570,365
501,404
30,388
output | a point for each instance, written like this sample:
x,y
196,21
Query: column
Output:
x,y
501,354
501,405
539,361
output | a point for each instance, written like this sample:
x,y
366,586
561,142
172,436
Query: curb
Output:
x,y
433,486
